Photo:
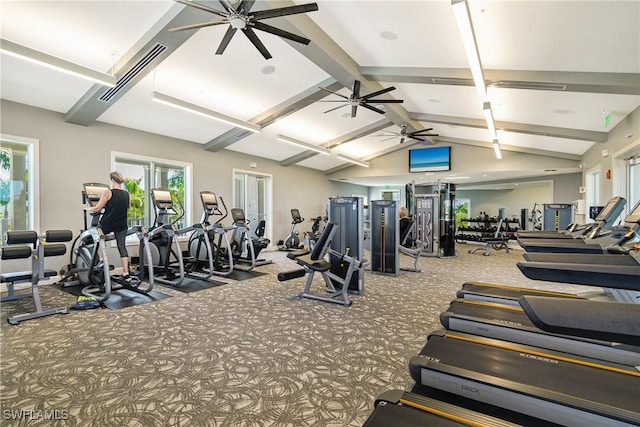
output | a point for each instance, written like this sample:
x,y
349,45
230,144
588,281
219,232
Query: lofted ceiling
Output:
x,y
553,68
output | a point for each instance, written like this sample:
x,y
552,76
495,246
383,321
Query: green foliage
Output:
x,y
5,184
462,213
136,197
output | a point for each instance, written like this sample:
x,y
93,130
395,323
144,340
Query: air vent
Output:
x,y
242,134
453,82
529,85
134,71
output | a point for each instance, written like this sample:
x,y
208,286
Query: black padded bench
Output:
x,y
37,248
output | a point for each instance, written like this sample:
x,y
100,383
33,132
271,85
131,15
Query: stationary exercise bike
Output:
x,y
292,242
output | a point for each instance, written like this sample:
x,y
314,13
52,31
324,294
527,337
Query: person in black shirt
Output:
x,y
405,224
115,202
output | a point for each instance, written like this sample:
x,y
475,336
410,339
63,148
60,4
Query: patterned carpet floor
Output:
x,y
247,353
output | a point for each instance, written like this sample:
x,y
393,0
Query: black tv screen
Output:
x,y
432,159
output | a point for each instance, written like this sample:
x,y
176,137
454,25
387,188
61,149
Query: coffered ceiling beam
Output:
x,y
330,57
551,131
351,136
562,81
291,105
135,64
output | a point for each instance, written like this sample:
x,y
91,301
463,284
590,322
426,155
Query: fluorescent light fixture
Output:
x,y
40,58
488,117
352,160
305,145
496,148
195,109
463,19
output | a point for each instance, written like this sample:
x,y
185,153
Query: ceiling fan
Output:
x,y
239,17
356,100
418,135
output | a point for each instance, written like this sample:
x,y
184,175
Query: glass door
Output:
x,y
252,193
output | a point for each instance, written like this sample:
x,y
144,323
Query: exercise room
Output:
x,y
331,213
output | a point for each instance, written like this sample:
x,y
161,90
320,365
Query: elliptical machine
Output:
x,y
246,249
85,266
209,245
164,247
292,242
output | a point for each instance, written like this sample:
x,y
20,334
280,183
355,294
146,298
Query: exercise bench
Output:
x,y
497,242
37,248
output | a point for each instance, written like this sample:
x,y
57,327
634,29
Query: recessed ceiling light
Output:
x,y
564,111
268,69
388,35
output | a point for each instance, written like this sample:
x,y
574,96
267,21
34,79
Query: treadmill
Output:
x,y
622,275
592,245
605,220
513,324
618,274
406,409
560,388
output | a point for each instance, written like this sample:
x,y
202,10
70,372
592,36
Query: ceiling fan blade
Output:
x,y
283,11
388,139
225,40
193,26
372,108
227,6
245,6
380,92
203,7
256,42
356,89
335,93
280,33
386,101
422,139
421,131
335,108
354,110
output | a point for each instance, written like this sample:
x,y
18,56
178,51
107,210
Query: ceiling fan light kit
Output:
x,y
241,18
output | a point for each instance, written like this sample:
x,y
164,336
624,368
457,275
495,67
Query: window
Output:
x,y
18,184
593,190
145,173
633,180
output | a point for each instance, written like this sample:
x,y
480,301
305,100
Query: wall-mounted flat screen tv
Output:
x,y
431,159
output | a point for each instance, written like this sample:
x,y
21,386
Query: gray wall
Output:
x,y
71,155
619,140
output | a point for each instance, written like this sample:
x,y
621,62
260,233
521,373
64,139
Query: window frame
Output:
x,y
33,185
118,156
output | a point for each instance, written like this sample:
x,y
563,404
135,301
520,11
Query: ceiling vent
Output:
x,y
133,72
452,81
529,85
